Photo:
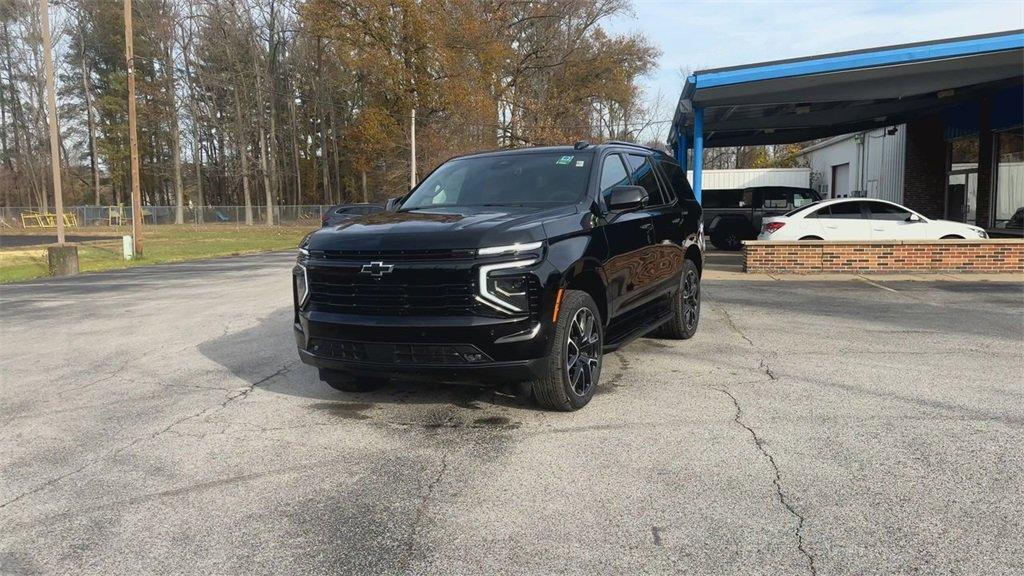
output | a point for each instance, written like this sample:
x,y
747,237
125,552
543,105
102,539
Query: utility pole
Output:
x,y
62,259
412,150
133,138
58,200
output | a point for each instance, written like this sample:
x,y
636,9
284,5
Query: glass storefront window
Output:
x,y
962,183
963,153
1009,202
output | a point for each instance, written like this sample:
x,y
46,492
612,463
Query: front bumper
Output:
x,y
449,349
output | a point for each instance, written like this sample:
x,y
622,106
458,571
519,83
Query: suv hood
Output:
x,y
439,228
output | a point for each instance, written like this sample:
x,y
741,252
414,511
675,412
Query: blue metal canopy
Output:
x,y
803,99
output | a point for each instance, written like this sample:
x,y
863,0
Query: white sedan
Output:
x,y
861,219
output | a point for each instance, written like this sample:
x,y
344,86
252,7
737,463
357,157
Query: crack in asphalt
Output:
x,y
57,479
425,501
776,480
727,318
241,394
762,364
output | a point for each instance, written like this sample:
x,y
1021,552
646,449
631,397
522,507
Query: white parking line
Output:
x,y
877,285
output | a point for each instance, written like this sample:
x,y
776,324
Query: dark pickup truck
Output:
x,y
520,266
734,215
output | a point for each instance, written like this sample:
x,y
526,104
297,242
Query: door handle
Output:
x,y
646,226
678,219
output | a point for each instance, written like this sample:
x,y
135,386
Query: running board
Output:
x,y
637,328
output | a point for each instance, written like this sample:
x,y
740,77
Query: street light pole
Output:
x,y
133,138
51,97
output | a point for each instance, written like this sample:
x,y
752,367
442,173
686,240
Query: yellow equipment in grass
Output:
x,y
33,219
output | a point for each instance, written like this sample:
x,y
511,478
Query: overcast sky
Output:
x,y
708,34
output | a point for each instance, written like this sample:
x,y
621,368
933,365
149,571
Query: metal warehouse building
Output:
x,y
951,113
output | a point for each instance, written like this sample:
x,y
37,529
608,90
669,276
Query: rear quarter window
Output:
x,y
677,180
643,175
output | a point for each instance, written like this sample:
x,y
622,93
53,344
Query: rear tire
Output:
x,y
574,365
347,382
685,306
728,239
805,238
952,237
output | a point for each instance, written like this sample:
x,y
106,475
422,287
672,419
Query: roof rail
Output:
x,y
631,144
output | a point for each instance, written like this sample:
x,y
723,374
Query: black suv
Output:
x,y
516,266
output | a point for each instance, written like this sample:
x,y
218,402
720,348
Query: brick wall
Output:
x,y
924,171
997,255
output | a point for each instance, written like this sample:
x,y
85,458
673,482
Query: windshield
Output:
x,y
506,180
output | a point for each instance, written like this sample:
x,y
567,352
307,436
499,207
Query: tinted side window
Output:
x,y
722,198
676,179
843,211
643,175
882,211
613,174
775,198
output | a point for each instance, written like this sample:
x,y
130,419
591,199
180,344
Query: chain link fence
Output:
x,y
122,215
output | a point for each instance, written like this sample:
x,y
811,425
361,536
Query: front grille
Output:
x,y
385,353
391,299
411,289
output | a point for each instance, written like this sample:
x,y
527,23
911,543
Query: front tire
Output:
x,y
952,237
685,306
346,382
574,365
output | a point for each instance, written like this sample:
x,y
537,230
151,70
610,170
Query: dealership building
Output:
x,y
937,126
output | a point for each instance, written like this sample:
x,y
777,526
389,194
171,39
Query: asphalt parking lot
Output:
x,y
156,421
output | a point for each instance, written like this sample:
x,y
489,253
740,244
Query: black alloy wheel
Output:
x,y
583,352
685,306
690,297
573,370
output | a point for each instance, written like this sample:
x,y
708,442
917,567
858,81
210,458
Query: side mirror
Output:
x,y
623,198
914,218
392,205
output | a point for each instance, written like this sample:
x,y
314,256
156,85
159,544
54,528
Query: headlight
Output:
x,y
981,233
508,293
512,290
301,286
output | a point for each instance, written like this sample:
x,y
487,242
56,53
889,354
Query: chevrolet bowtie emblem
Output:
x,y
377,269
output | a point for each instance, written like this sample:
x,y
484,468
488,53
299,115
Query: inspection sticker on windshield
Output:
x,y
579,163
564,160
